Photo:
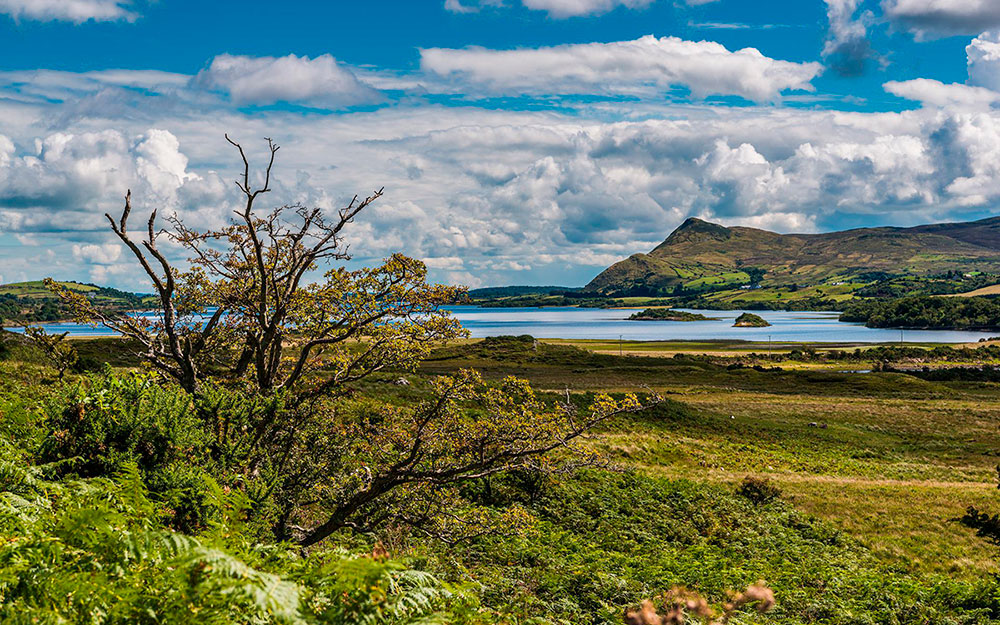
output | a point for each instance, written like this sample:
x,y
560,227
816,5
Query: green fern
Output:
x,y
92,551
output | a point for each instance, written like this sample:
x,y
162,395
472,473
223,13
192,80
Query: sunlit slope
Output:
x,y
37,289
699,252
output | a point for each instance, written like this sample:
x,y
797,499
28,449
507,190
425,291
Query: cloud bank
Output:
x,y
704,67
557,9
931,18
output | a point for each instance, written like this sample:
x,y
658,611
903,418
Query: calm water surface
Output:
x,y
596,323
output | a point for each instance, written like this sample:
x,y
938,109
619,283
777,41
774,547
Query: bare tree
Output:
x,y
246,286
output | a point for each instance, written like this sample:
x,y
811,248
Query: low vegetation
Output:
x,y
667,314
958,313
750,320
737,476
269,451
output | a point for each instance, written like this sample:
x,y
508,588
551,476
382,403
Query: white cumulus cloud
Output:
x,y
705,67
847,45
952,96
76,11
69,178
101,254
320,81
984,60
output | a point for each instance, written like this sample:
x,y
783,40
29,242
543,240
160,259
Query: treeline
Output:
x,y
959,313
888,353
590,300
15,309
45,308
883,355
805,303
950,282
516,291
535,301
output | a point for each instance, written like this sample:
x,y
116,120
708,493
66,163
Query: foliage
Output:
x,y
93,551
680,604
950,282
759,490
750,320
986,525
353,463
666,314
56,348
605,540
927,312
33,302
573,547
466,429
514,291
244,311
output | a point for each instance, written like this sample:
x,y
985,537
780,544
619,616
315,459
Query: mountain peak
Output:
x,y
694,229
701,257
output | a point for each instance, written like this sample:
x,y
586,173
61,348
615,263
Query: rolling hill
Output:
x,y
704,257
23,302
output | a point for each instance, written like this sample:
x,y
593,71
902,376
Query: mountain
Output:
x,y
699,255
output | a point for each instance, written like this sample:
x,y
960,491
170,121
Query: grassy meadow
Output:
x,y
869,473
889,458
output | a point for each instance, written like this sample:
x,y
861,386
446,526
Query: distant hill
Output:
x,y
514,291
707,257
29,302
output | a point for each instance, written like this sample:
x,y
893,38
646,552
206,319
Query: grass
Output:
x,y
986,290
838,293
889,459
885,460
37,289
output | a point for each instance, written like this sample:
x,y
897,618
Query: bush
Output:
x,y
759,490
108,420
92,552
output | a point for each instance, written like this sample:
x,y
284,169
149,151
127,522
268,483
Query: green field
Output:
x,y
37,289
899,458
873,470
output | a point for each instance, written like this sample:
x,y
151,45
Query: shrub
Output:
x,y
109,420
91,551
759,490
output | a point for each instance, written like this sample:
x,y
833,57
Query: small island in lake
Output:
x,y
750,320
667,314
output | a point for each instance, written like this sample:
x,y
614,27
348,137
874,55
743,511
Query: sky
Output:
x,y
518,141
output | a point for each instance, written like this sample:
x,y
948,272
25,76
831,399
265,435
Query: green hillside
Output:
x,y
36,289
702,257
29,302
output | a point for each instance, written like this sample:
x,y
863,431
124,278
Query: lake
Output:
x,y
596,323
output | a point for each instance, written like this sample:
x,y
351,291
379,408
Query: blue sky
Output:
x,y
520,141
